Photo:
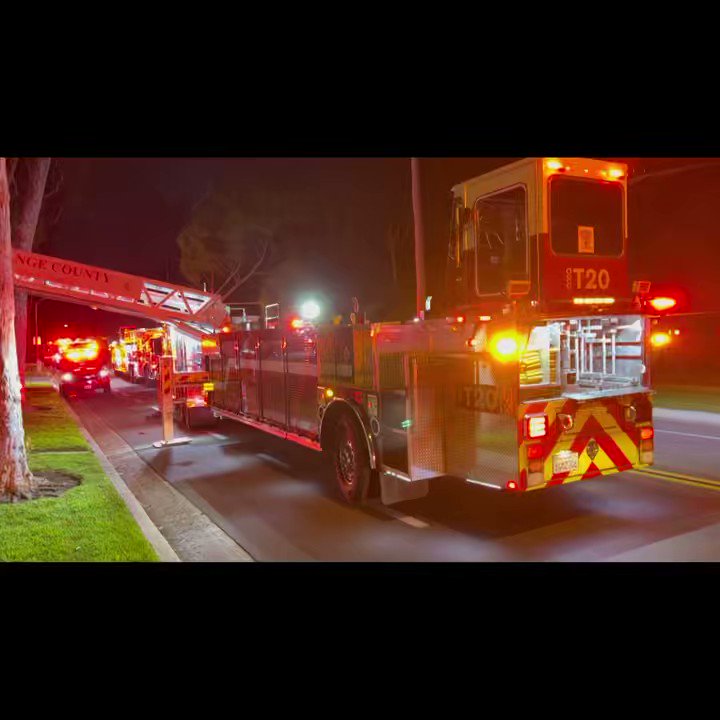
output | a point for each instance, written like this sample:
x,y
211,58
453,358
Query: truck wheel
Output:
x,y
351,461
107,389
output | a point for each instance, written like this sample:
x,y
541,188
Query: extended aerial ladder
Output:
x,y
70,281
191,311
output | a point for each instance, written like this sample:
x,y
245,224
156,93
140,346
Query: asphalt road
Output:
x,y
278,502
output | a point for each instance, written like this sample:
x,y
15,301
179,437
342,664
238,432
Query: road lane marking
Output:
x,y
274,461
682,476
704,483
407,519
413,522
218,436
676,432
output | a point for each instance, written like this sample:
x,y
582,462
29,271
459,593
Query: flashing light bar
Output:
x,y
613,173
555,165
593,301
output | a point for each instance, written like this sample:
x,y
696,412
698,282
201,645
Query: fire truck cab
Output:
x,y
537,265
533,374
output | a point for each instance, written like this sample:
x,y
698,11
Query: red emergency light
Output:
x,y
662,303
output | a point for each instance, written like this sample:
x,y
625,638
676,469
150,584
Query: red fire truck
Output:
x,y
151,346
534,374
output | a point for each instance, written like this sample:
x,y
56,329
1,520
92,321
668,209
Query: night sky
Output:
x,y
126,214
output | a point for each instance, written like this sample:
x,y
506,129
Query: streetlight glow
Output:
x,y
310,310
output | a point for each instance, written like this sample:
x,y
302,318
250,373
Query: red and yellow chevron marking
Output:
x,y
618,443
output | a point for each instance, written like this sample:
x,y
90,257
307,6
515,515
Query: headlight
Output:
x,y
103,373
67,377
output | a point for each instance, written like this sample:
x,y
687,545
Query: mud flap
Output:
x,y
394,490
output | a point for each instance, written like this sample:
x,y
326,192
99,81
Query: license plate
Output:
x,y
565,461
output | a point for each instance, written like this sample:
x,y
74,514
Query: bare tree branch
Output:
x,y
54,181
246,277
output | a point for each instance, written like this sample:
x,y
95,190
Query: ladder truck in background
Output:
x,y
188,320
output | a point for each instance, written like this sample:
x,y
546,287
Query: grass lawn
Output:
x,y
87,523
688,397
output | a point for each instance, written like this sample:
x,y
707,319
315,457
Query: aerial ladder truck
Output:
x,y
534,373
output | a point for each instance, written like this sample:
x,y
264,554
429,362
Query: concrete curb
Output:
x,y
161,546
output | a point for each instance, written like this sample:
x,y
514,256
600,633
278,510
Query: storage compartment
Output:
x,y
587,356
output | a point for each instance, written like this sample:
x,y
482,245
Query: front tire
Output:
x,y
351,461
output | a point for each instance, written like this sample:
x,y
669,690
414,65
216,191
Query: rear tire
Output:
x,y
351,461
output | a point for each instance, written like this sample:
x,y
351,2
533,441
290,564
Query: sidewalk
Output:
x,y
192,535
170,519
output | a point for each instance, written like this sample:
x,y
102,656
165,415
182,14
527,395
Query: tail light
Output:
x,y
535,452
647,445
536,426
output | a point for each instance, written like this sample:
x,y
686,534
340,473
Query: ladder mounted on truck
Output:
x,y
119,292
193,311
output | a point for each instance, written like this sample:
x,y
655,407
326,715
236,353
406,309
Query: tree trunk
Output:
x,y
15,476
30,197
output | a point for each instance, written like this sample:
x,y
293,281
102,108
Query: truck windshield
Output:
x,y
586,217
